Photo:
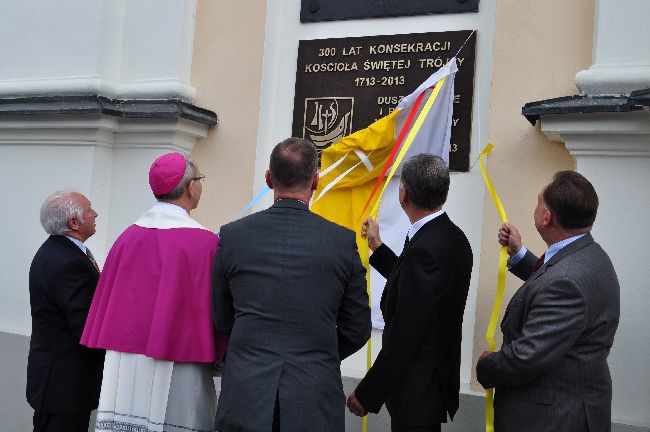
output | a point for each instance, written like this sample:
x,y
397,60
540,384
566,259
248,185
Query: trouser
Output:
x,y
48,422
276,414
395,427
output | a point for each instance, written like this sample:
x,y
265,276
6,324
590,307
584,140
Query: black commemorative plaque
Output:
x,y
332,10
345,84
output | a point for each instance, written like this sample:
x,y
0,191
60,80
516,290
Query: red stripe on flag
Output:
x,y
398,143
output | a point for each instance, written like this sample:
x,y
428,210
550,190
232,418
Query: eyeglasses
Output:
x,y
199,178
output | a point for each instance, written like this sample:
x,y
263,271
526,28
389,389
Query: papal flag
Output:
x,y
364,166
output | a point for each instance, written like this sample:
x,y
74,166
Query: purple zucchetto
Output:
x,y
166,173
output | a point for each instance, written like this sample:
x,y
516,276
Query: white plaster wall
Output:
x,y
621,56
104,158
613,151
465,205
618,22
621,230
116,48
64,167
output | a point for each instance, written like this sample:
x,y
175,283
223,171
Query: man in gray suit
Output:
x,y
551,373
290,290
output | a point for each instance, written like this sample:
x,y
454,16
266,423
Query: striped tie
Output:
x,y
92,259
539,263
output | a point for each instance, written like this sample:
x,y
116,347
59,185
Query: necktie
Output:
x,y
406,242
92,259
539,263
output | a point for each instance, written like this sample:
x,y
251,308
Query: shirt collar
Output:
x,y
291,199
78,242
420,223
555,247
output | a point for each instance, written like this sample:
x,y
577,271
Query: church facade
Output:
x,y
92,92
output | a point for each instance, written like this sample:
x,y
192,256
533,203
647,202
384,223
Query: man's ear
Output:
x,y
314,182
403,195
73,224
549,217
267,177
189,193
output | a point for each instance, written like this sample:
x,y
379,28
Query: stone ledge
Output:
x,y
122,108
583,104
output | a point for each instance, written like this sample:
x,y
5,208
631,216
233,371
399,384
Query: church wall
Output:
x,y
227,73
115,48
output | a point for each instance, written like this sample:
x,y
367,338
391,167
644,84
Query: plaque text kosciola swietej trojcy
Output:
x,y
345,84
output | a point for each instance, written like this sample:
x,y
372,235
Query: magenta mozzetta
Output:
x,y
164,315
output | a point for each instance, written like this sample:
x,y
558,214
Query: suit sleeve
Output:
x,y
524,268
73,294
223,310
383,260
420,283
557,317
353,322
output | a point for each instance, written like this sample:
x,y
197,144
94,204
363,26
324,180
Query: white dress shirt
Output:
x,y
552,250
420,223
78,243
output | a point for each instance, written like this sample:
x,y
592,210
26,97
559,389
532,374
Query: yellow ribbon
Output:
x,y
501,283
365,260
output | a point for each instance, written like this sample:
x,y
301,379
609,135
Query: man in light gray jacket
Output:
x,y
551,373
290,290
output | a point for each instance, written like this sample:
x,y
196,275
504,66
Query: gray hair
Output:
x,y
425,177
57,210
179,190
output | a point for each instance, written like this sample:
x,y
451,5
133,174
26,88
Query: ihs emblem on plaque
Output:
x,y
327,120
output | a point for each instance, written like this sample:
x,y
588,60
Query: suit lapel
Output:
x,y
583,241
586,240
66,242
430,226
426,230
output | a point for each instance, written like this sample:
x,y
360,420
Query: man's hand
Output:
x,y
484,355
509,236
355,406
370,230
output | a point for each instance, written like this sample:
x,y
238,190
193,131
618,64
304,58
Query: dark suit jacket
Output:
x,y
63,377
290,289
551,373
417,371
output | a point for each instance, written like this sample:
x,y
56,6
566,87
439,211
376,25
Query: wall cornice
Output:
x,y
624,134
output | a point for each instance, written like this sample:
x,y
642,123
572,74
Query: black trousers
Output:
x,y
395,427
47,422
276,414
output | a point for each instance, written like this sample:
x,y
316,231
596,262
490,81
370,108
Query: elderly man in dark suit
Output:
x,y
63,377
551,373
417,371
290,289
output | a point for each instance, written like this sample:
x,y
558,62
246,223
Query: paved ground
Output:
x,y
470,416
16,415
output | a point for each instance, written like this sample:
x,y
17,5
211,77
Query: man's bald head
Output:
x,y
294,162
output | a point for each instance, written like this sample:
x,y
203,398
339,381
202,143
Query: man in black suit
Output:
x,y
417,371
63,377
290,290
